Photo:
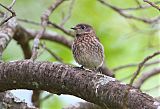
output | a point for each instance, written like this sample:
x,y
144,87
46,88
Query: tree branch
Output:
x,y
60,28
142,64
50,24
66,18
6,18
30,34
152,4
138,3
145,76
135,65
7,31
126,15
57,58
44,23
63,79
139,8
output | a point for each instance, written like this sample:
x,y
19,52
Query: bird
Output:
x,y
86,48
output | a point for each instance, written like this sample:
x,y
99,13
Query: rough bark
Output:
x,y
63,79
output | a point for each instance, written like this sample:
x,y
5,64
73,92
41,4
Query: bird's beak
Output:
x,y
74,28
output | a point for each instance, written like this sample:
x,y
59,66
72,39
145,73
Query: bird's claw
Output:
x,y
81,68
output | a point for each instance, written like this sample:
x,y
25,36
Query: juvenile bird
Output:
x,y
86,48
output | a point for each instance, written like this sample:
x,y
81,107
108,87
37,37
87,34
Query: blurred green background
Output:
x,y
125,41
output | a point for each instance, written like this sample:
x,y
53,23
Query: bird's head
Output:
x,y
81,29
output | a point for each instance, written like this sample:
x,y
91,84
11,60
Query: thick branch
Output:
x,y
63,79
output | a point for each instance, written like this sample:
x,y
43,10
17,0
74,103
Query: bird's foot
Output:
x,y
81,68
98,70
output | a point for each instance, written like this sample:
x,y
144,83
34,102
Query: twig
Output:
x,y
139,8
139,4
60,28
10,7
12,4
141,65
44,22
135,75
28,21
122,13
7,28
46,97
51,36
134,65
50,24
51,52
152,4
68,14
145,76
6,18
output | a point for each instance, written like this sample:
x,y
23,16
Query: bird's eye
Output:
x,y
82,27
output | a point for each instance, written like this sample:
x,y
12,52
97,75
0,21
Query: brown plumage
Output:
x,y
86,48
